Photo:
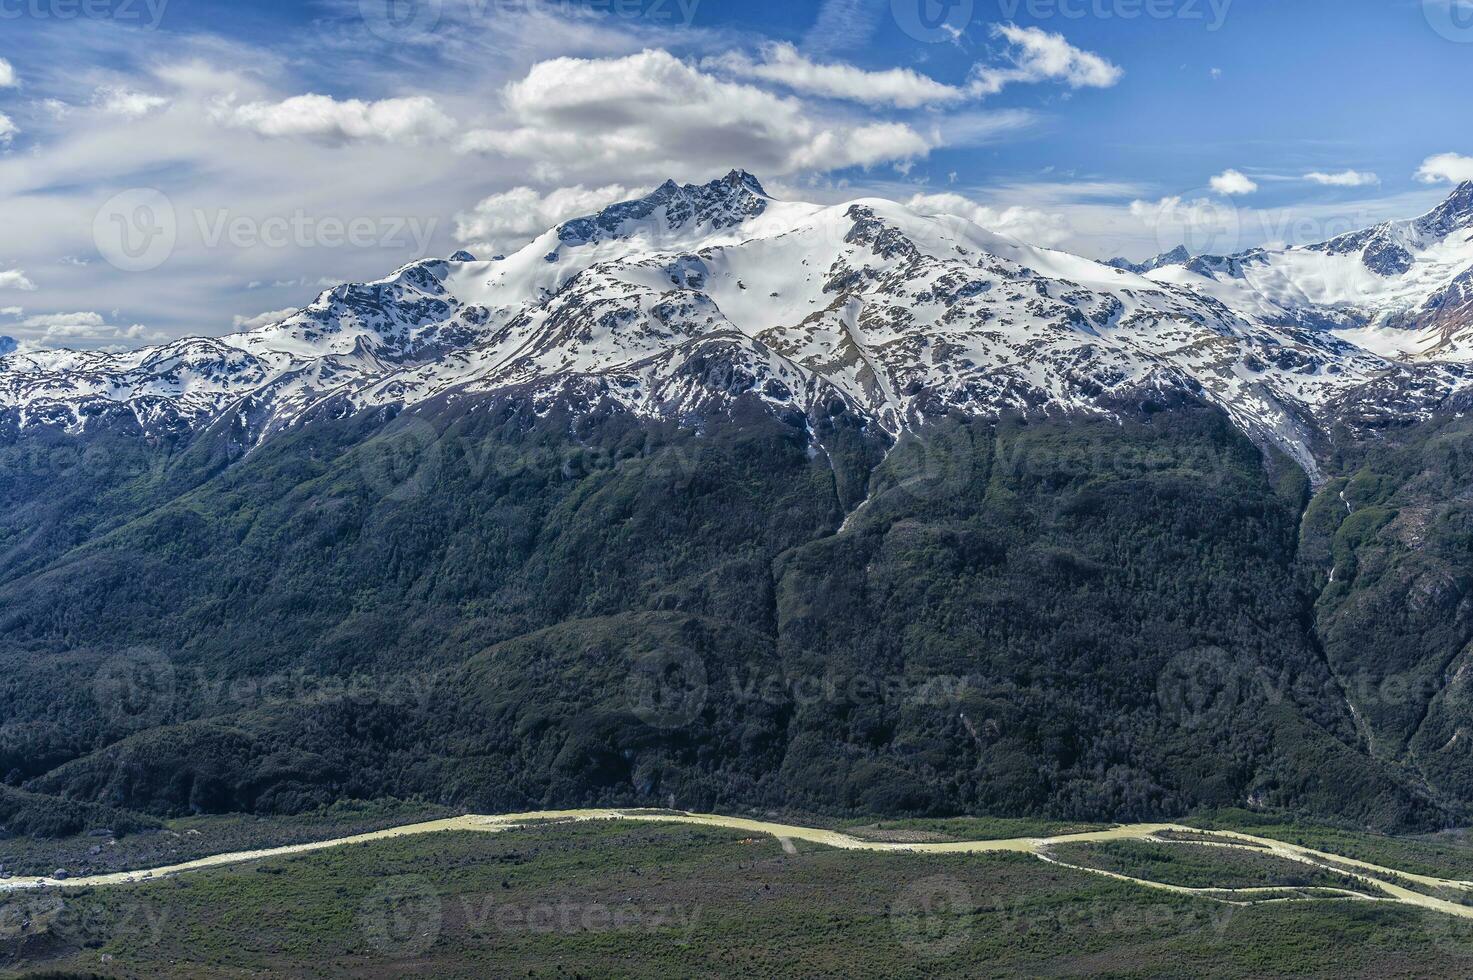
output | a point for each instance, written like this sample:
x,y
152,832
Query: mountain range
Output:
x,y
901,315
702,499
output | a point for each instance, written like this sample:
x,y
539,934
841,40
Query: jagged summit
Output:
x,y
720,203
1177,256
1451,215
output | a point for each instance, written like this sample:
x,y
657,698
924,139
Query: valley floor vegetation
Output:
x,y
621,899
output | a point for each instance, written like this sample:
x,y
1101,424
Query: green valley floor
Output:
x,y
602,893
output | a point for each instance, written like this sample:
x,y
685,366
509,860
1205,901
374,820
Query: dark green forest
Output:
x,y
487,606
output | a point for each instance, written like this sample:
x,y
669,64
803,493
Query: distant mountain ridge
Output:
x,y
899,314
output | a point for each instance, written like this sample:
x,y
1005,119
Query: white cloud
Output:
x,y
207,153
1451,168
15,279
649,115
1203,224
8,129
1038,56
1216,73
784,65
1233,182
1022,223
13,311
7,74
863,146
66,329
126,102
50,320
500,220
1343,178
1150,210
1180,209
263,319
407,120
1033,55
843,24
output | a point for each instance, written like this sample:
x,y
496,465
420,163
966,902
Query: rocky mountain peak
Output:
x,y
1177,256
1451,215
721,203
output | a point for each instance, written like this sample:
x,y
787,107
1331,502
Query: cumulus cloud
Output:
x,y
1205,225
1022,223
238,134
126,102
652,114
1038,56
782,64
1032,56
263,319
8,129
15,279
406,120
7,74
48,329
50,320
521,213
1343,178
1167,207
1449,168
1233,182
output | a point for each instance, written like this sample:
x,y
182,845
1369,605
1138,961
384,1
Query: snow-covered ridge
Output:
x,y
679,302
1376,288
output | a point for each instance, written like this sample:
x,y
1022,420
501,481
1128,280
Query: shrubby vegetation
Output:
x,y
1392,545
486,606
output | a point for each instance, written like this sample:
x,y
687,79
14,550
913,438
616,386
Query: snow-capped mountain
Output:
x,y
1401,289
680,302
1177,256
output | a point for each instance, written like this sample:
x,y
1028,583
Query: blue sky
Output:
x,y
248,154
